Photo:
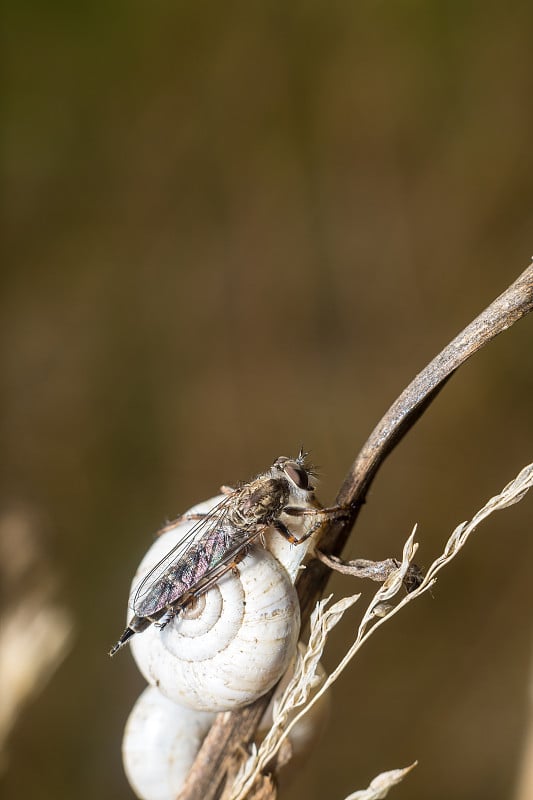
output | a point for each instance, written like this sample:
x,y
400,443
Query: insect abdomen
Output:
x,y
205,554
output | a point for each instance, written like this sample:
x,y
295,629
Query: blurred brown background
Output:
x,y
231,229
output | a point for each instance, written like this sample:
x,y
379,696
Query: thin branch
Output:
x,y
233,731
513,304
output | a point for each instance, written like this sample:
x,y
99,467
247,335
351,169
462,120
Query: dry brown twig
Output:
x,y
297,699
227,743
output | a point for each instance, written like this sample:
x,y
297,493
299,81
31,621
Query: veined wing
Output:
x,y
206,561
213,521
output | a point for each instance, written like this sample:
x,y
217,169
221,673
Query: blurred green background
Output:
x,y
234,228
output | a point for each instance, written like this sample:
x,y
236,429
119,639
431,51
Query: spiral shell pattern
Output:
x,y
232,644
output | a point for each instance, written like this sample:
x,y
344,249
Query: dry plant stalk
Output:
x,y
232,732
298,691
380,785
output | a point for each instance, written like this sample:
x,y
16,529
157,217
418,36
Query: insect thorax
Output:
x,y
260,502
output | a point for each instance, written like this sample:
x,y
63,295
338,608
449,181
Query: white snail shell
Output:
x,y
162,738
235,642
160,743
224,651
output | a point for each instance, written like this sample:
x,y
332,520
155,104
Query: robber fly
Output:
x,y
221,538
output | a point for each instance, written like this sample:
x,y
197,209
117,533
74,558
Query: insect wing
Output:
x,y
208,525
199,575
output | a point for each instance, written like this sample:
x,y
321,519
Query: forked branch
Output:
x,y
232,732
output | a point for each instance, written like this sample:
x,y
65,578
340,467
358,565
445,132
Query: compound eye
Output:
x,y
297,475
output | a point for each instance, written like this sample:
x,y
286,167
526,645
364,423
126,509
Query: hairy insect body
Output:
x,y
220,539
259,503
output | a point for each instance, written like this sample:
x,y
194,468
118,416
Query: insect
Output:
x,y
221,538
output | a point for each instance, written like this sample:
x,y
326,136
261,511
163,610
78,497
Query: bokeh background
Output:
x,y
234,228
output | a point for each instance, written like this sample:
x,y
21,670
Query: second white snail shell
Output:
x,y
162,738
160,743
237,639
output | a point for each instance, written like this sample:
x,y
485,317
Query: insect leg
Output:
x,y
169,614
238,557
182,518
285,532
334,512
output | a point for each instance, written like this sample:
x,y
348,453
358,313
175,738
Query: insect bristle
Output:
x,y
301,459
